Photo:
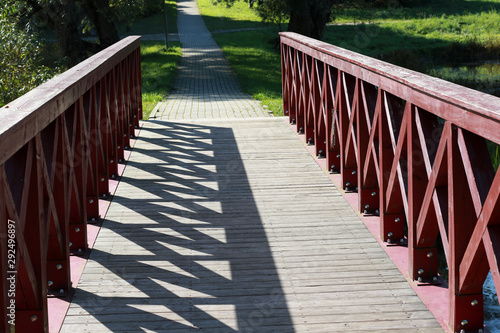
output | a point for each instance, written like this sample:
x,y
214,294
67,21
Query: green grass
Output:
x,y
221,17
431,9
153,24
433,39
158,72
251,53
158,65
257,65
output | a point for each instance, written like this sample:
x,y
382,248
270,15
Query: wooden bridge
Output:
x,y
224,225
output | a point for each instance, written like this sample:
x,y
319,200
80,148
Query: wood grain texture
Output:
x,y
230,226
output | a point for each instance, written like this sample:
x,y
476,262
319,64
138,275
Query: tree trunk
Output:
x,y
309,17
100,14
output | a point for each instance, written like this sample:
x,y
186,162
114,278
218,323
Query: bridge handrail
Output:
x,y
60,145
415,148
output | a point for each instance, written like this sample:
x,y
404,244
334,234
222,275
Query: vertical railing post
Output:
x,y
466,310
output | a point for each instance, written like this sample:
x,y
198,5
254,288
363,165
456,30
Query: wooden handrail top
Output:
x,y
408,84
23,118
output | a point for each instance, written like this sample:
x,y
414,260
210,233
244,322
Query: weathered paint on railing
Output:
x,y
414,148
59,146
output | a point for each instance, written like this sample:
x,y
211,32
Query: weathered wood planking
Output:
x,y
225,226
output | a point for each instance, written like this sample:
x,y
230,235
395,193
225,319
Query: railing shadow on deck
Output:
x,y
415,150
195,251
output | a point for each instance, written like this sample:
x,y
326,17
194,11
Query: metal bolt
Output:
x,y
374,194
420,271
286,111
102,179
389,241
377,212
321,152
367,206
435,279
113,176
80,251
474,302
480,330
93,219
397,220
50,283
338,155
61,291
419,279
34,318
464,322
390,235
91,201
70,244
402,240
353,172
462,331
309,141
119,147
332,167
430,254
111,161
77,229
104,195
58,267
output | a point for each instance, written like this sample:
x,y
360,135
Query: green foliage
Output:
x,y
20,69
158,72
274,11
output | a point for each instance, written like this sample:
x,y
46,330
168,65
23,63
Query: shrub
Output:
x,y
20,69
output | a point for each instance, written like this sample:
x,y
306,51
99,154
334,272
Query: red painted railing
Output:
x,y
59,146
415,149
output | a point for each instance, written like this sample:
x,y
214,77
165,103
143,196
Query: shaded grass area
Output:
x,y
153,24
158,72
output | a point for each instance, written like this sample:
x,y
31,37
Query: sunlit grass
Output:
x,y
158,72
250,53
221,17
256,64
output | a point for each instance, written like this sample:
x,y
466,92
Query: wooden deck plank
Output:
x,y
226,226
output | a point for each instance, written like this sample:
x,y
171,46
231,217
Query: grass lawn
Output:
x,y
158,72
436,39
157,64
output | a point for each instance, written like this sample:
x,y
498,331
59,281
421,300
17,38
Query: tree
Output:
x,y
307,17
64,17
20,68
